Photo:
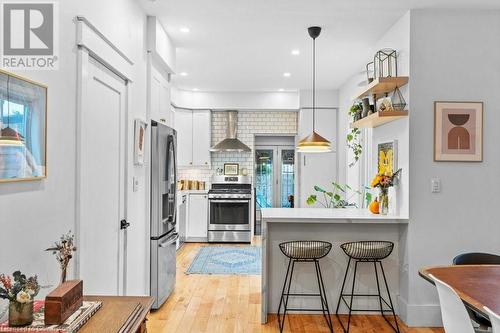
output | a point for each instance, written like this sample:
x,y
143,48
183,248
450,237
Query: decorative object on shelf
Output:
x,y
334,198
231,169
384,104
20,291
355,111
387,157
370,72
354,143
366,107
384,182
64,252
314,143
374,206
385,63
63,301
23,129
397,100
139,141
458,131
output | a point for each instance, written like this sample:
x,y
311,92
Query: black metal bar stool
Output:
x,y
371,252
304,251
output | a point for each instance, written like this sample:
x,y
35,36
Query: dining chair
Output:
x,y
453,312
476,258
494,319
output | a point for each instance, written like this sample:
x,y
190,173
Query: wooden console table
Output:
x,y
119,314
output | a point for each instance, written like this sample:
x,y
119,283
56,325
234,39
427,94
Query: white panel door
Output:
x,y
102,180
317,168
197,216
183,123
201,137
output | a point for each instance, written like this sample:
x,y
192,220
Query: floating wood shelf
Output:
x,y
379,118
383,85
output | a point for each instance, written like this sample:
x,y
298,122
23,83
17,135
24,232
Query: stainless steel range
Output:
x,y
230,202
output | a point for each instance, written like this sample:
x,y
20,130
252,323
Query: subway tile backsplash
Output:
x,y
249,124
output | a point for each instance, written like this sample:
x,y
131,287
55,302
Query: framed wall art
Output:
x,y
139,141
231,169
387,162
23,128
458,131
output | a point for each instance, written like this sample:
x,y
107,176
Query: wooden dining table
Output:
x,y
477,285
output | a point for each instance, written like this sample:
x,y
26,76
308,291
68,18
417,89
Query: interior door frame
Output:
x,y
92,44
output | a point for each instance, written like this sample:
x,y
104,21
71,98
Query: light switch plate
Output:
x,y
435,185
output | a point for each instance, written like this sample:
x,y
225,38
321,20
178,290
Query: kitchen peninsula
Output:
x,y
336,226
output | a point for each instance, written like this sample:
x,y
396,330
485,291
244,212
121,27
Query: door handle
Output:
x,y
170,240
124,224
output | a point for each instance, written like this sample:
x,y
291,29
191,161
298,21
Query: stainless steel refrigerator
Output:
x,y
163,211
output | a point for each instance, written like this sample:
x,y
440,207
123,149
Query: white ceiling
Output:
x,y
245,45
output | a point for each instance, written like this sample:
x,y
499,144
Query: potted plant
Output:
x,y
384,182
333,198
20,291
355,111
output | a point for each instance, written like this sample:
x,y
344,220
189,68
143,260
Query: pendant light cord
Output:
x,y
314,84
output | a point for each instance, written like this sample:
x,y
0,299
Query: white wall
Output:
x,y
454,57
358,176
34,214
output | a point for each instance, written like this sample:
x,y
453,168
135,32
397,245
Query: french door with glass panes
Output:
x,y
274,176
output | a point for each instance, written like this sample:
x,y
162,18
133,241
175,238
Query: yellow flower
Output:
x,y
376,180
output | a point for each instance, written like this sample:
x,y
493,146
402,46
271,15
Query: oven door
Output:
x,y
229,214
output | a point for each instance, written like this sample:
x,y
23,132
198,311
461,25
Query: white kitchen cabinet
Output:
x,y
183,123
197,222
193,137
316,168
201,137
160,108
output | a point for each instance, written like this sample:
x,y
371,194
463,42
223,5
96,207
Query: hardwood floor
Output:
x,y
231,303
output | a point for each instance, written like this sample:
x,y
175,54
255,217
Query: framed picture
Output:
x,y
387,157
458,131
231,169
139,141
23,129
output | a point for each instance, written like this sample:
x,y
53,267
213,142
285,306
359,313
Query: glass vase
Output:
x,y
20,314
383,202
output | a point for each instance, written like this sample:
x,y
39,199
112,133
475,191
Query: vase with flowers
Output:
x,y
20,291
63,250
384,182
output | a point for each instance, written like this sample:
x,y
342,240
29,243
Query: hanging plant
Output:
x,y
354,143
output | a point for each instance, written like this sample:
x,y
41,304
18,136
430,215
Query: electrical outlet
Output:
x,y
435,185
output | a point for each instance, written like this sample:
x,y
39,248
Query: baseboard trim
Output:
x,y
419,315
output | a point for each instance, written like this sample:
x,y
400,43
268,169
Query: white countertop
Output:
x,y
192,192
327,215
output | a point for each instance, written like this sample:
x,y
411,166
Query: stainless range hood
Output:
x,y
231,143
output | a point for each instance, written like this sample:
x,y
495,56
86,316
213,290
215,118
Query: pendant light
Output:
x,y
314,143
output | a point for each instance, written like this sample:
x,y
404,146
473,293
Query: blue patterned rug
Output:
x,y
227,260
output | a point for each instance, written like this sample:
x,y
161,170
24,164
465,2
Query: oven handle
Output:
x,y
230,201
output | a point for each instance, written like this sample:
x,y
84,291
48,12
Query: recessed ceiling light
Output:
x,y
183,74
295,52
281,89
184,30
195,89
286,74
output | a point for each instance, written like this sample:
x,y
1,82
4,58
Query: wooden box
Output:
x,y
63,301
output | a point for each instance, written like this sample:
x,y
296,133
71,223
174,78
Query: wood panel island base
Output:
x,y
336,226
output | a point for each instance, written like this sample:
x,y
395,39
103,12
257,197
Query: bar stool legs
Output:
x,y
381,300
285,295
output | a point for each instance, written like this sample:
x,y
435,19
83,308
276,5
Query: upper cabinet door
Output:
x,y
160,98
183,123
201,137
